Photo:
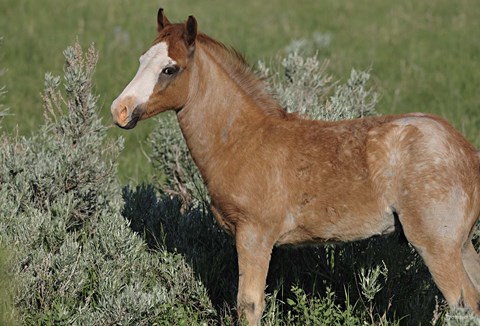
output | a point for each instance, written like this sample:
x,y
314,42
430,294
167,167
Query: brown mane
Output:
x,y
234,63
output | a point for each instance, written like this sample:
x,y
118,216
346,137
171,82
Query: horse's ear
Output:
x,y
191,31
162,20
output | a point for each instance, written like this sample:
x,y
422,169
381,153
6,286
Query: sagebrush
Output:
x,y
77,261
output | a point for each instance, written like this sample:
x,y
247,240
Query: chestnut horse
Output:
x,y
276,178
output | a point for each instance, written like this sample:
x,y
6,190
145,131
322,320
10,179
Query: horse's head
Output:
x,y
161,82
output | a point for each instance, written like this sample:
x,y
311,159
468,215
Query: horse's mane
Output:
x,y
234,63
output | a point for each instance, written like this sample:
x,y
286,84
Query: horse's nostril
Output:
x,y
123,114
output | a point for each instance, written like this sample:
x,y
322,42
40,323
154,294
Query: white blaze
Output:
x,y
152,63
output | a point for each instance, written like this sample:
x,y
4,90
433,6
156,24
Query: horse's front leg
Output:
x,y
254,249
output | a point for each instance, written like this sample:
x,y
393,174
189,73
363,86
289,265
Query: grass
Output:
x,y
423,55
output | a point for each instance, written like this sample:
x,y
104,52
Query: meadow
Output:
x,y
423,55
87,244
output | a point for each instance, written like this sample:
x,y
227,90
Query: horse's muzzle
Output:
x,y
123,117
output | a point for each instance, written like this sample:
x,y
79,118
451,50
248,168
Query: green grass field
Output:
x,y
423,55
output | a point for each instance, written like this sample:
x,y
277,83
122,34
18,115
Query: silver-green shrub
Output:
x,y
461,317
166,223
303,86
171,156
7,311
76,260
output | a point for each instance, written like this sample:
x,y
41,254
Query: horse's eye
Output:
x,y
169,70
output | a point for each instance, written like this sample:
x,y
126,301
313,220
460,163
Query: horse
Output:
x,y
277,178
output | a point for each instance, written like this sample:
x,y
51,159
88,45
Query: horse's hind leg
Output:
x,y
449,273
444,252
445,263
471,260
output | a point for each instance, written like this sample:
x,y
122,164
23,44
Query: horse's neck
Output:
x,y
218,111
